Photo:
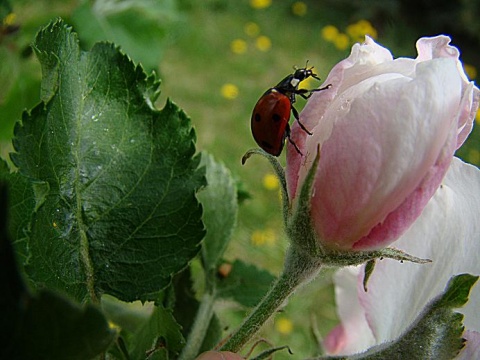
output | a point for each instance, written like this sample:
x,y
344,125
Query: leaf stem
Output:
x,y
299,268
84,243
87,262
199,328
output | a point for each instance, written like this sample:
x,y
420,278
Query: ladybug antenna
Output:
x,y
306,66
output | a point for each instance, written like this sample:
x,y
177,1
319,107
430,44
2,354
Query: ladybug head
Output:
x,y
303,73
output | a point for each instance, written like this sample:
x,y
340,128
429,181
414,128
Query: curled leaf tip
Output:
x,y
251,152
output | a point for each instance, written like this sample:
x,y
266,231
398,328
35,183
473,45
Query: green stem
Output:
x,y
299,268
199,328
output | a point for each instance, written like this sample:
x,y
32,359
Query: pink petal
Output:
x,y
380,150
387,131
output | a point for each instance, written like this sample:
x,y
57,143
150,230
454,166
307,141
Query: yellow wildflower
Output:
x,y
9,19
270,182
358,30
329,33
341,41
229,91
309,83
260,4
264,237
238,46
284,326
263,43
299,8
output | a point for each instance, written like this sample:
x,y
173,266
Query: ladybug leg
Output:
x,y
304,93
287,131
320,89
297,117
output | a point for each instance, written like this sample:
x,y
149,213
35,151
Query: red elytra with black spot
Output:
x,y
270,120
271,114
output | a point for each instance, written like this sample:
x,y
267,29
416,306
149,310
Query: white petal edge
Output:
x,y
472,350
355,332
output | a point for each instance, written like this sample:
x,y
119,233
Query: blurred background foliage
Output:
x,y
215,58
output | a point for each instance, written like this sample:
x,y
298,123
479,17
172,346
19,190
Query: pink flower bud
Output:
x,y
387,131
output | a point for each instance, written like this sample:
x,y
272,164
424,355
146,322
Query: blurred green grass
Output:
x,y
195,65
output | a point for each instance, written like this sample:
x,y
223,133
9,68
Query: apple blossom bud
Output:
x,y
387,130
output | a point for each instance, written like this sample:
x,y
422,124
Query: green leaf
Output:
x,y
219,200
437,332
20,206
159,338
142,28
45,325
115,178
457,292
246,284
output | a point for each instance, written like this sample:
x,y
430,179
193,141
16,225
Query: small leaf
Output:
x,y
246,284
115,178
219,200
159,338
458,290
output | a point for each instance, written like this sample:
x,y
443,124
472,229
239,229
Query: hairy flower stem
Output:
x,y
299,268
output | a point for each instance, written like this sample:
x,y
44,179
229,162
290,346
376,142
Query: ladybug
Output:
x,y
271,114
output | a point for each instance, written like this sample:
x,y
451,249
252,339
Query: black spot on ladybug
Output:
x,y
276,117
258,117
